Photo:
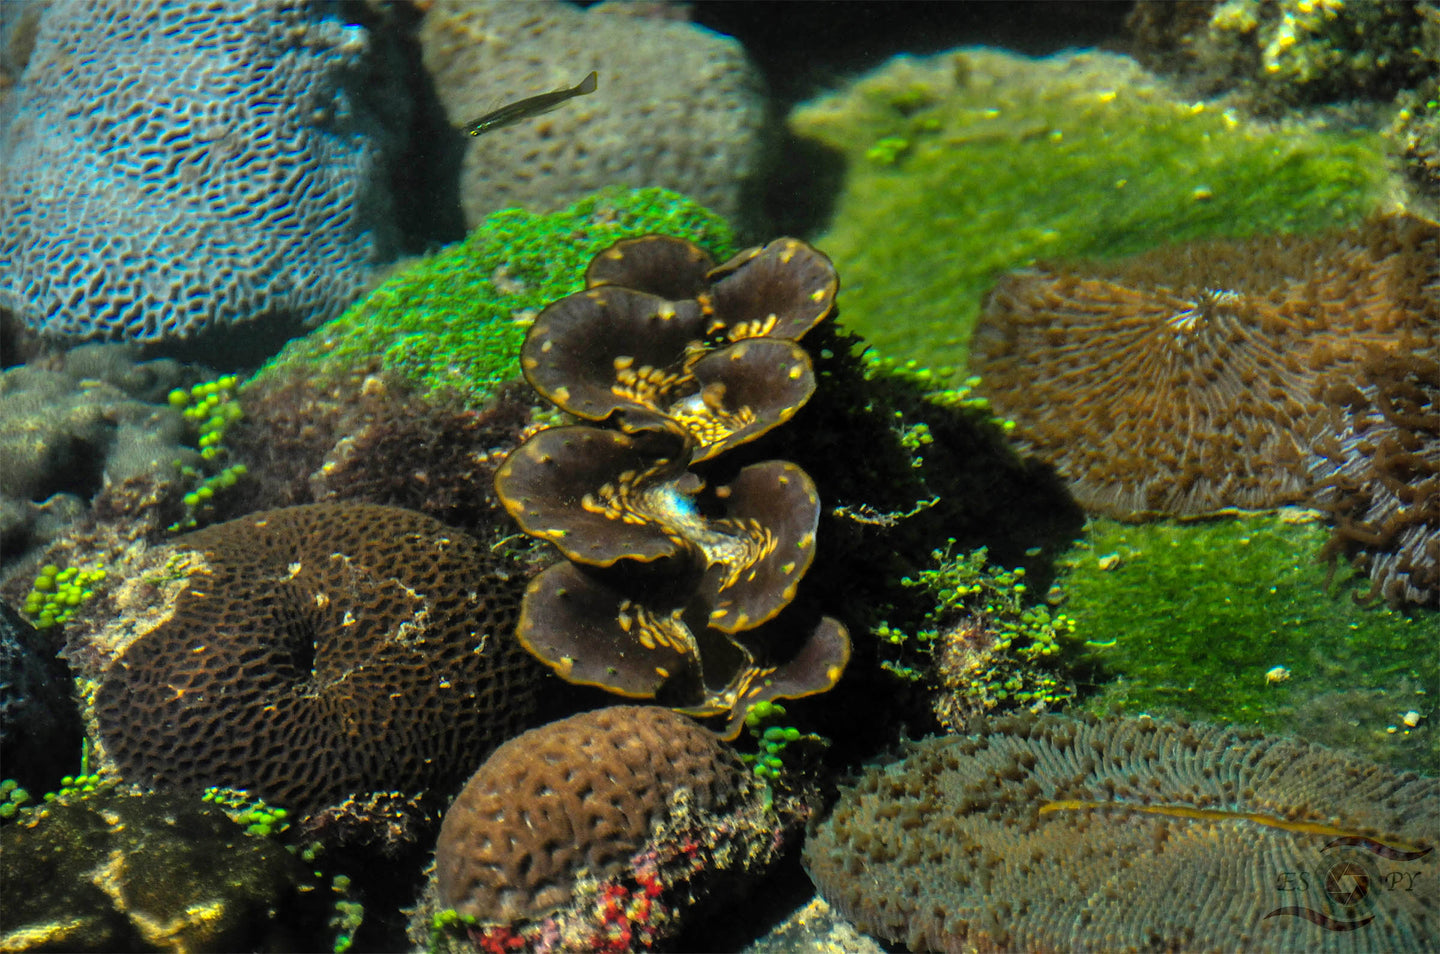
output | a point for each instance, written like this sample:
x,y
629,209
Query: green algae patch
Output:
x,y
455,320
1232,620
968,164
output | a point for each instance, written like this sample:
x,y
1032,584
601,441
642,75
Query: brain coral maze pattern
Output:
x,y
171,167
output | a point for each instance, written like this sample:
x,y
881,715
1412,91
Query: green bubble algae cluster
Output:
x,y
454,321
967,164
1237,620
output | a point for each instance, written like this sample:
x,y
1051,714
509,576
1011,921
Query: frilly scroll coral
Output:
x,y
673,589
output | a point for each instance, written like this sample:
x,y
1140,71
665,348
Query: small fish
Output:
x,y
530,106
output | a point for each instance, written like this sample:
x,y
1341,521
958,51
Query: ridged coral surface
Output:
x,y
1187,380
173,166
574,798
315,652
1058,835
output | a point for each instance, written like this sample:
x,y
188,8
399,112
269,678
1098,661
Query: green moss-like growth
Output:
x,y
1009,159
1194,619
258,817
456,319
56,594
986,644
211,408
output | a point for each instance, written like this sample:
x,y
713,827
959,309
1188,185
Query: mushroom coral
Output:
x,y
1187,380
1053,834
673,587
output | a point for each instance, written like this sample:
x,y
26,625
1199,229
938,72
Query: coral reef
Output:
x,y
677,106
84,428
1415,131
1008,159
253,191
112,871
1188,380
1290,52
1188,618
381,444
40,734
308,654
662,581
601,832
815,929
1378,473
455,321
1055,834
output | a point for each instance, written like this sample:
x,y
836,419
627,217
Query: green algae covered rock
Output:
x,y
113,871
967,164
455,320
1234,620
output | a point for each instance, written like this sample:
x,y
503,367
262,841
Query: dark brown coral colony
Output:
x,y
672,582
320,651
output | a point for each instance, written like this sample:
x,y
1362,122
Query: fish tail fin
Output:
x,y
588,84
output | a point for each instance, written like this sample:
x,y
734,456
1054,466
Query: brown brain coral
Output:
x,y
1058,835
1184,381
319,651
576,798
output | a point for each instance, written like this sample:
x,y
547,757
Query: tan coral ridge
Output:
x,y
672,588
1054,834
311,654
1202,377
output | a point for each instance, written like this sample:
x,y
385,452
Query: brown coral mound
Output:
x,y
1182,382
578,797
319,651
1058,835
1378,474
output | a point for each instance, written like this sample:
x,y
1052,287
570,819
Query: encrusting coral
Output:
x,y
312,653
665,578
1188,380
602,829
1056,834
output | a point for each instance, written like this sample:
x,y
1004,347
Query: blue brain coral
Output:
x,y
174,167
